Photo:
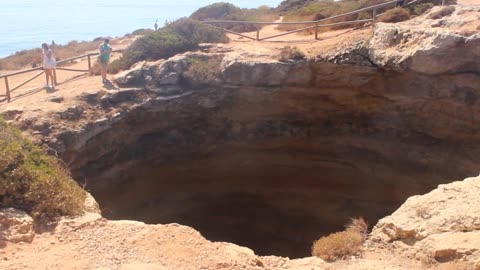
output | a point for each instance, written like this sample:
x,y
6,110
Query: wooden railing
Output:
x,y
9,89
313,24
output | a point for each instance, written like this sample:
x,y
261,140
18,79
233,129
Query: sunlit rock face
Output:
x,y
274,155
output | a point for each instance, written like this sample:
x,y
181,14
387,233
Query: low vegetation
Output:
x,y
179,36
142,32
445,11
292,5
419,9
317,10
32,181
397,14
289,54
340,245
227,11
203,69
33,57
309,10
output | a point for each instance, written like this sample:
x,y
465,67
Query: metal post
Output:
x,y
258,34
7,88
316,31
89,64
374,15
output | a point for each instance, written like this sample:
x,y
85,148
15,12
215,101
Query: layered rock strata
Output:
x,y
273,155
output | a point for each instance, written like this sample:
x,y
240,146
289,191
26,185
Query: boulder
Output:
x,y
15,226
428,44
132,76
443,224
168,72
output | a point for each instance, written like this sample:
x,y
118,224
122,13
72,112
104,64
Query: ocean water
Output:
x,y
28,23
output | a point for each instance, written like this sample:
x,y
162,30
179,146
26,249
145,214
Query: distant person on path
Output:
x,y
104,57
156,25
49,65
400,3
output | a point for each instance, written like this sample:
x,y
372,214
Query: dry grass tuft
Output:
x,y
203,70
340,245
291,54
446,11
395,15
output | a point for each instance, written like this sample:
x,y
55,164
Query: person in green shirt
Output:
x,y
104,57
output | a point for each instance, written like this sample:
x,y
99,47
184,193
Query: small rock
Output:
x,y
57,99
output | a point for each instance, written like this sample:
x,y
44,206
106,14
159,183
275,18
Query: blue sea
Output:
x,y
25,24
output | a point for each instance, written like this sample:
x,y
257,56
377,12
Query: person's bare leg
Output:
x,y
104,73
54,77
47,71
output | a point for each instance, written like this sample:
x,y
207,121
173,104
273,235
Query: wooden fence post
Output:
x,y
7,88
258,34
316,31
443,2
374,15
89,64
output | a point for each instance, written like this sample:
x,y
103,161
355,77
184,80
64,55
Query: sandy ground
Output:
x,y
65,79
90,242
469,2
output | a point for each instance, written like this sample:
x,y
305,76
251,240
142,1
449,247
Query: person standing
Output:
x,y
104,57
49,64
156,25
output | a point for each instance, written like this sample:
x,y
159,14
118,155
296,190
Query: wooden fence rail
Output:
x,y
312,24
9,89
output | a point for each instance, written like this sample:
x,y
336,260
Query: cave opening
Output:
x,y
274,201
272,170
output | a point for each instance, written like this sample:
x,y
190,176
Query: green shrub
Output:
x,y
288,54
226,11
397,14
203,69
179,36
142,32
115,66
214,11
291,5
419,9
302,10
32,181
316,10
342,244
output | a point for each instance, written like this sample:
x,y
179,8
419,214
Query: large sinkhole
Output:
x,y
270,169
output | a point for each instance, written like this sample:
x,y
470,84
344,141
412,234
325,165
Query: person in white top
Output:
x,y
49,64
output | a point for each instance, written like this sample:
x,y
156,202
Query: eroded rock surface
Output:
x,y
15,226
218,140
443,225
430,44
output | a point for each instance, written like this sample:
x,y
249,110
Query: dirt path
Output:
x,y
63,77
469,2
